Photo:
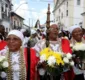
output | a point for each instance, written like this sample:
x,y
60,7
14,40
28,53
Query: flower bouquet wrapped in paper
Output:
x,y
79,53
55,61
3,67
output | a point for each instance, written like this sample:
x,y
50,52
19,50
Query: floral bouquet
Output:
x,y
54,61
79,53
68,61
3,66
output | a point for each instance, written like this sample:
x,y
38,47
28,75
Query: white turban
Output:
x,y
23,30
17,33
73,27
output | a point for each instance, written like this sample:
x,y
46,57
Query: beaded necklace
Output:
x,y
22,70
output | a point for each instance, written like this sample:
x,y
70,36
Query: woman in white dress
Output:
x,y
16,56
55,44
77,37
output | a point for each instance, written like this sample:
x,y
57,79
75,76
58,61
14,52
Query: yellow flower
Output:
x,y
58,58
78,43
60,61
48,52
45,51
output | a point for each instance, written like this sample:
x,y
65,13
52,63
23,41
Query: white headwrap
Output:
x,y
73,27
23,30
17,33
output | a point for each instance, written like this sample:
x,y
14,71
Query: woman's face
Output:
x,y
77,34
14,43
53,32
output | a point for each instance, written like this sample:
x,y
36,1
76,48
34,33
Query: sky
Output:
x,y
31,10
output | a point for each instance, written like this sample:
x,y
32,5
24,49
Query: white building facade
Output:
x,y
68,12
5,17
83,25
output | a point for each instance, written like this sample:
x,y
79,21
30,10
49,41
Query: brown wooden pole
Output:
x,y
48,17
47,26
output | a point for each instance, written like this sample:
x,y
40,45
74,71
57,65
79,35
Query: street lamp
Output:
x,y
20,5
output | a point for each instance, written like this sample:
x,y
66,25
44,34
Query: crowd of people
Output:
x,y
23,52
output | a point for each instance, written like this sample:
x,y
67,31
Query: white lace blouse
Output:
x,y
15,65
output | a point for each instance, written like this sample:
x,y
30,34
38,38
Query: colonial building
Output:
x,y
68,12
5,9
16,21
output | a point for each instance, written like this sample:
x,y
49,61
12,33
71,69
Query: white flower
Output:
x,y
3,51
41,71
5,64
51,60
42,58
83,47
79,46
71,45
76,47
68,55
72,63
65,59
2,58
3,75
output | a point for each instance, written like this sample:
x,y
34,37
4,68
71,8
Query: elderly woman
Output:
x,y
16,56
55,44
77,36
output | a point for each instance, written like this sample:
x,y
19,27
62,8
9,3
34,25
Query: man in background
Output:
x,y
2,33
